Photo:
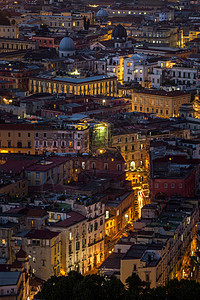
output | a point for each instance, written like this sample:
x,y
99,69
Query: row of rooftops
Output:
x,y
146,244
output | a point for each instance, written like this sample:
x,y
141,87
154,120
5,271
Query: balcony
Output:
x,y
94,242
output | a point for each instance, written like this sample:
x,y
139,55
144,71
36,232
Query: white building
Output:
x,y
137,67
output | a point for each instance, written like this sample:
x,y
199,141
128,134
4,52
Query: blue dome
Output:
x,y
67,44
102,13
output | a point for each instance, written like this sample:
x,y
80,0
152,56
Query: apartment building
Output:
x,y
132,145
72,138
9,31
18,74
157,253
159,102
53,170
170,36
44,250
115,67
15,44
74,242
60,22
93,209
174,175
119,210
183,76
36,139
12,185
11,285
137,68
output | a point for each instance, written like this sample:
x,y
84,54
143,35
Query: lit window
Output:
x,y
107,214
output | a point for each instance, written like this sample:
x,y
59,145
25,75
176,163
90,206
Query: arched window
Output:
x,y
132,165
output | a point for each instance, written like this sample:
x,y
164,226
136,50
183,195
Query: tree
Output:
x,y
95,287
136,287
4,18
114,289
86,23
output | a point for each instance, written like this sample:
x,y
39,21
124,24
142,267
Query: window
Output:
x,y
93,165
107,214
118,167
172,185
43,262
156,185
147,277
19,144
77,245
37,175
106,166
132,147
36,134
165,185
37,183
19,134
45,135
180,185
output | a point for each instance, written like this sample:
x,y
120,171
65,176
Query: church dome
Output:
x,y
66,44
102,13
119,32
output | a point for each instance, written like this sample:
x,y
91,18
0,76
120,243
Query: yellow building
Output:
x,y
9,31
44,249
94,85
36,139
54,170
15,44
191,35
132,146
169,35
159,102
17,138
74,242
15,187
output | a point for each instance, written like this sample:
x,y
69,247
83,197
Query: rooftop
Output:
x,y
9,278
41,234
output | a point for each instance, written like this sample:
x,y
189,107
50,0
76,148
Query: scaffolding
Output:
x,y
100,136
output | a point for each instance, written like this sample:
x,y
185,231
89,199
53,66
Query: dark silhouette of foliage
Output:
x,y
95,287
86,23
4,18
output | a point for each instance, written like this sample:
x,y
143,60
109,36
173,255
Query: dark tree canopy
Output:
x,y
4,18
94,287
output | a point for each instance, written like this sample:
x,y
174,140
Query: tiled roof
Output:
x,y
16,166
41,234
112,261
72,218
36,212
16,127
49,163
